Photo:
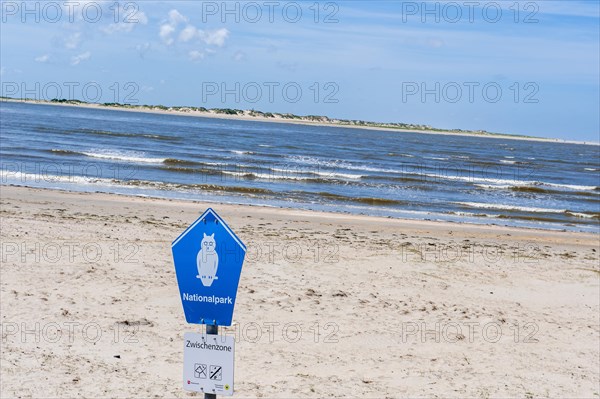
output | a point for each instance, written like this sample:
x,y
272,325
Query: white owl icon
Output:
x,y
207,260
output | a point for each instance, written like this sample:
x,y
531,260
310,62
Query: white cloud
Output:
x,y
167,29
215,37
140,18
239,56
416,40
196,55
118,27
175,17
10,71
169,33
165,33
434,42
76,60
288,66
72,41
142,49
42,58
188,33
128,23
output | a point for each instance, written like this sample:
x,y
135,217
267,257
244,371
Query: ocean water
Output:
x,y
437,177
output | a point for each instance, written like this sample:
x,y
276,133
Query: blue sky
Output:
x,y
505,66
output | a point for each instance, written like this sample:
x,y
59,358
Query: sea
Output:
x,y
473,179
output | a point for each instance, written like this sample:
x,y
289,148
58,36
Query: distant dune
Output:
x,y
315,120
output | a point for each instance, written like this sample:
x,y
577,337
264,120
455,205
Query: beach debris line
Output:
x,y
208,259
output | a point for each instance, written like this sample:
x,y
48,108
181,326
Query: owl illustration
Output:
x,y
207,260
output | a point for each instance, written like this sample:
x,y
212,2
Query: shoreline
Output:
x,y
317,214
213,115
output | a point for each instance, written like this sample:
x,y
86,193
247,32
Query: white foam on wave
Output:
x,y
581,215
475,215
372,169
322,173
69,181
305,160
127,156
472,179
508,183
531,209
570,186
508,162
592,169
293,175
16,177
481,205
496,187
335,174
308,160
391,210
265,176
240,152
501,183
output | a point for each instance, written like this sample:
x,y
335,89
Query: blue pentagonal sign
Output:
x,y
208,259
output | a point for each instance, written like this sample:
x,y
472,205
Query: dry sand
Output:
x,y
90,305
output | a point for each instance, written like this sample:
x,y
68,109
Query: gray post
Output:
x,y
211,329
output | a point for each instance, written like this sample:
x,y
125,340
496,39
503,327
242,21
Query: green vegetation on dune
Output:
x,y
64,101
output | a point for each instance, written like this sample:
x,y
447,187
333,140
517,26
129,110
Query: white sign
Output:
x,y
208,363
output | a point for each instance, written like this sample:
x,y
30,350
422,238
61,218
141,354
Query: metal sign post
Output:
x,y
213,330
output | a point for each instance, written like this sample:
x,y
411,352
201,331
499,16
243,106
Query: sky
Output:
x,y
526,67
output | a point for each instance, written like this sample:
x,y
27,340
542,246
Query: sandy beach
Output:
x,y
328,304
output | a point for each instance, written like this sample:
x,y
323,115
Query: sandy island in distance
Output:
x,y
247,116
